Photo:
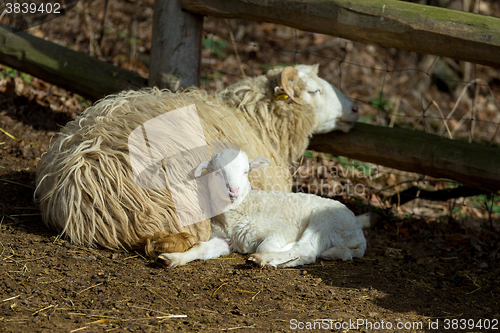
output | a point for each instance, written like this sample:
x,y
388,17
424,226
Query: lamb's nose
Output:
x,y
355,108
234,191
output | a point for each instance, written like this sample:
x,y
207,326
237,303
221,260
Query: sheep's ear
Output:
x,y
289,73
315,69
202,169
258,163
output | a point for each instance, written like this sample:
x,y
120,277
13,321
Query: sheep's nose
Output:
x,y
234,191
355,108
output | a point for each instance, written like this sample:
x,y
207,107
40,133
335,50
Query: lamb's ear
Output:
x,y
202,169
258,163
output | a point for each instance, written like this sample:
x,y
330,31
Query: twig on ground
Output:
x,y
235,328
10,298
78,293
171,316
216,290
45,308
19,140
15,183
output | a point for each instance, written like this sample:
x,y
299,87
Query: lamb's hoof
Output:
x,y
263,259
166,261
162,262
255,259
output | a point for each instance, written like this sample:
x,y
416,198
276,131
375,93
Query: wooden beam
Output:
x,y
74,71
175,47
403,25
469,163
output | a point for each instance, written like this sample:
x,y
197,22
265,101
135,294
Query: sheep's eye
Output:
x,y
315,91
246,173
217,173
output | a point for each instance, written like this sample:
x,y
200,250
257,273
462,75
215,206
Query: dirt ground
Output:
x,y
413,273
438,274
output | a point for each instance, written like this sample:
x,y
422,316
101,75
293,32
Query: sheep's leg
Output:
x,y
349,244
214,248
274,243
338,252
279,239
298,255
305,251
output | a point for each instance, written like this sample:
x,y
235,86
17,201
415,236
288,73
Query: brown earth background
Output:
x,y
427,262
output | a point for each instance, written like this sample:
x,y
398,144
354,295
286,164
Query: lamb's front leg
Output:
x,y
214,248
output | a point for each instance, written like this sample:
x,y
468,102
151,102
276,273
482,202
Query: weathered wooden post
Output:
x,y
176,46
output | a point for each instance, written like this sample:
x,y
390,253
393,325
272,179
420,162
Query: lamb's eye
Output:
x,y
245,173
218,174
317,91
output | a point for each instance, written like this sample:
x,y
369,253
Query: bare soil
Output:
x,y
413,272
418,273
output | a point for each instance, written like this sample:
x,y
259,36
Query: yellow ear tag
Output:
x,y
282,96
204,171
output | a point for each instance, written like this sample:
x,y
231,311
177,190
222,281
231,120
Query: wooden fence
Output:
x,y
176,59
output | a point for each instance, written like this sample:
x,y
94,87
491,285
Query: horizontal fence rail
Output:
x,y
469,163
407,26
59,65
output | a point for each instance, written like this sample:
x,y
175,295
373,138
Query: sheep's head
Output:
x,y
334,110
233,167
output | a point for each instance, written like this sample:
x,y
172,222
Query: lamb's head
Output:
x,y
233,166
334,110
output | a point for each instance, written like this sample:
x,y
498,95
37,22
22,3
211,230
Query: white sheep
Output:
x,y
280,229
88,191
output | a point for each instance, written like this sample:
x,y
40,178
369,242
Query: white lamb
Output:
x,y
280,229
